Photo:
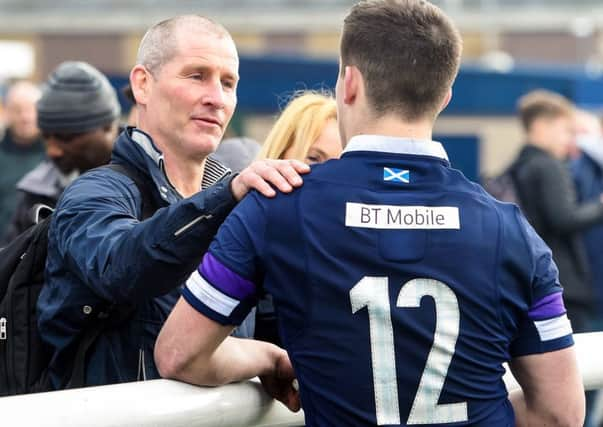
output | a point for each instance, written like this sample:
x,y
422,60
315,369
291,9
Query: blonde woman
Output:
x,y
306,130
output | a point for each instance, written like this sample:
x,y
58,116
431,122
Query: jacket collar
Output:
x,y
137,147
46,180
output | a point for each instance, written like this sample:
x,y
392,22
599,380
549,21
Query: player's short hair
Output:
x,y
299,125
160,43
408,52
540,104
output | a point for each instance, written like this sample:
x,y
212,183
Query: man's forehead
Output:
x,y
195,37
207,47
22,96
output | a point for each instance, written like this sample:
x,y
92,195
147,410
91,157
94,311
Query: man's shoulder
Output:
x,y
538,159
41,180
99,183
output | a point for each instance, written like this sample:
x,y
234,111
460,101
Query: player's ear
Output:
x,y
352,79
446,100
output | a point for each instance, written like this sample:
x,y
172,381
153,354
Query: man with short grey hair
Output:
x,y
102,255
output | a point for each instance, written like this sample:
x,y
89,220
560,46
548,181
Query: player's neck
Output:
x,y
393,126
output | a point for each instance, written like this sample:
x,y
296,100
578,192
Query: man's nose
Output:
x,y
214,95
53,149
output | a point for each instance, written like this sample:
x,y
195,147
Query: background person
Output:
x,y
78,116
548,196
237,153
306,130
21,148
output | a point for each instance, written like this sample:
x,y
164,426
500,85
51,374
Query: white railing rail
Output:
x,y
155,403
169,403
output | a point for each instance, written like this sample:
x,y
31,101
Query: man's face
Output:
x,y
80,151
562,136
21,116
193,96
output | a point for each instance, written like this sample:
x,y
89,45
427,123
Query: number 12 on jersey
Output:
x,y
372,293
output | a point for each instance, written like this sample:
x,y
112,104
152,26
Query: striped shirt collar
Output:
x,y
214,171
394,145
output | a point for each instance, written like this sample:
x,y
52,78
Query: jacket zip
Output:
x,y
2,328
190,224
4,351
10,375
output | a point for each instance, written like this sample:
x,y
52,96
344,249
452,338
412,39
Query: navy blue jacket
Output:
x,y
101,255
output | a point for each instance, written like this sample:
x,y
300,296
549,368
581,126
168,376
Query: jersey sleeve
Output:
x,y
544,325
225,286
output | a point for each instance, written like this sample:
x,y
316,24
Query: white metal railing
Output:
x,y
151,403
170,403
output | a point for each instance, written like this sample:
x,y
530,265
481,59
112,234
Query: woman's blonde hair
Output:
x,y
299,125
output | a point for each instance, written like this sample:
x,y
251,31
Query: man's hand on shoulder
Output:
x,y
283,174
279,383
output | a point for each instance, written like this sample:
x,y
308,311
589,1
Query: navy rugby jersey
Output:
x,y
400,287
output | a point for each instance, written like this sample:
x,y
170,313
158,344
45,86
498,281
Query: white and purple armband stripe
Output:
x,y
549,317
219,293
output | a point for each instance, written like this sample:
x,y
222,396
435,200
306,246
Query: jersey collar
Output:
x,y
394,145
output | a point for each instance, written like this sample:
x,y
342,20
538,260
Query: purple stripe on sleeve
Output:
x,y
547,307
224,279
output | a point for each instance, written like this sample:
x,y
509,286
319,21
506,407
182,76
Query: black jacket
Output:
x,y
15,162
548,200
43,185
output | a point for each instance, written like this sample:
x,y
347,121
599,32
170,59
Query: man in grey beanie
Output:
x,y
78,116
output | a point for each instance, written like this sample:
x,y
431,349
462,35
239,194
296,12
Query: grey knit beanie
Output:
x,y
76,98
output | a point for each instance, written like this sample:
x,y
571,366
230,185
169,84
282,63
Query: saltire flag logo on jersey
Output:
x,y
396,175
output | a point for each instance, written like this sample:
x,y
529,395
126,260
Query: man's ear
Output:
x,y
446,100
140,82
352,81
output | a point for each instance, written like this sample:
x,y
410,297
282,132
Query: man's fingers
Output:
x,y
262,175
256,182
300,167
274,175
289,396
290,173
292,401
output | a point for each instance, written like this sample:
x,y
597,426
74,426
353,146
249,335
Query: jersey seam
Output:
x,y
527,246
309,280
499,244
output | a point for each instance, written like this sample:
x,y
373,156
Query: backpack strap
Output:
x,y
142,183
116,313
